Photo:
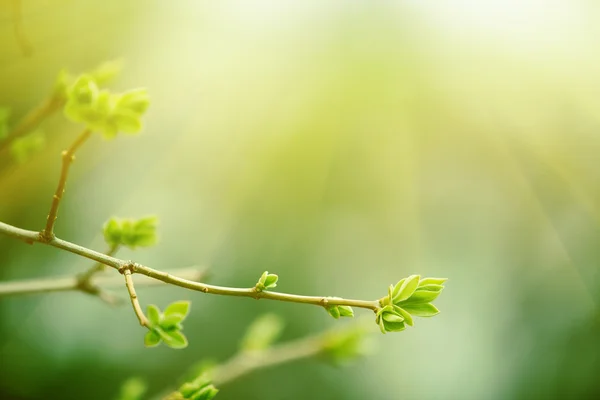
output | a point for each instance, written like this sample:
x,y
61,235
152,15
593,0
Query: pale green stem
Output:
x,y
67,159
122,265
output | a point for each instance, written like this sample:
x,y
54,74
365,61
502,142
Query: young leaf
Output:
x,y
406,289
334,311
406,315
179,309
267,281
271,281
346,311
431,288
421,309
153,314
171,321
206,393
432,281
174,339
151,339
106,71
422,296
112,232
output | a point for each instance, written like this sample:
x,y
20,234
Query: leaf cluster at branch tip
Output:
x,y
167,326
103,111
410,297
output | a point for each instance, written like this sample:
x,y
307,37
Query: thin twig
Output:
x,y
71,283
87,276
33,119
135,302
67,159
246,362
31,236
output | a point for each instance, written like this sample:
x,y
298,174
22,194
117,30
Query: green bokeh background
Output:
x,y
342,145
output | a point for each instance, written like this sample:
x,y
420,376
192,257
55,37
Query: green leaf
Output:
x,y
106,71
432,281
271,281
188,389
346,311
206,393
421,296
174,339
395,289
333,311
431,288
24,147
144,232
262,333
135,101
61,84
112,232
131,233
152,338
153,314
345,344
267,281
406,315
172,321
126,122
421,309
406,289
389,319
133,389
178,308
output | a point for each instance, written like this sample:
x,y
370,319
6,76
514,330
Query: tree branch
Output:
x,y
72,282
246,362
122,265
33,119
67,159
134,299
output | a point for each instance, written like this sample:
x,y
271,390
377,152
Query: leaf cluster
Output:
x,y
103,111
131,232
410,297
167,326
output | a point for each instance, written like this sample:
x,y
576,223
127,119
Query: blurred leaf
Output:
x,y
133,389
153,314
151,339
106,71
345,345
131,233
206,393
174,339
4,119
24,147
178,308
171,321
262,333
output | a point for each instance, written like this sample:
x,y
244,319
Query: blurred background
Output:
x,y
341,144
